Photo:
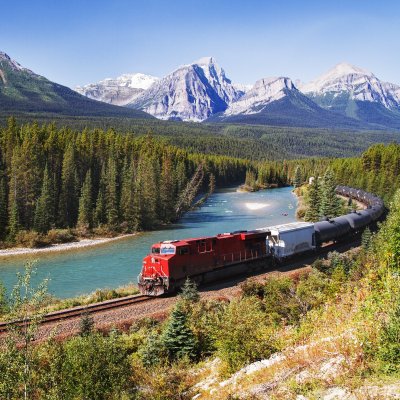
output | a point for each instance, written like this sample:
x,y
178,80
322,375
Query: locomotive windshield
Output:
x,y
155,250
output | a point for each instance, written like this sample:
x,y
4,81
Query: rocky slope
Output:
x,y
23,91
119,91
277,101
191,93
357,93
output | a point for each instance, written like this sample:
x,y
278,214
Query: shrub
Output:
x,y
30,239
242,335
389,345
94,367
57,236
153,352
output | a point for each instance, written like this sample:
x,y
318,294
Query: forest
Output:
x,y
258,143
57,183
97,181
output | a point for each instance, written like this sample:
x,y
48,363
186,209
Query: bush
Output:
x,y
389,344
94,367
57,236
30,239
242,335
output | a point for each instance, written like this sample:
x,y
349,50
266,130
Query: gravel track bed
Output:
x,y
122,318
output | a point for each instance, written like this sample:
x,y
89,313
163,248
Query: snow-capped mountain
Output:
x,y
23,91
12,64
264,92
191,93
356,93
119,91
360,84
277,101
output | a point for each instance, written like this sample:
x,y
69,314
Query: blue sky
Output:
x,y
80,41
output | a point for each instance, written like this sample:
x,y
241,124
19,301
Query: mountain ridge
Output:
x,y
24,91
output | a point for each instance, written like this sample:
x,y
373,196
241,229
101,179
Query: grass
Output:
x,y
54,304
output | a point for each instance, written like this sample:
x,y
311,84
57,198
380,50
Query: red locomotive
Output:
x,y
202,259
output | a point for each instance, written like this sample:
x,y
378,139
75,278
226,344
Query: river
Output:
x,y
118,263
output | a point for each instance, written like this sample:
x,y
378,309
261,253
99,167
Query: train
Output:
x,y
211,258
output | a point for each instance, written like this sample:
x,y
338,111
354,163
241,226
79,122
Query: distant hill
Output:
x,y
23,91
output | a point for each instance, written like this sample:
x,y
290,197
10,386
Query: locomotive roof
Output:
x,y
187,241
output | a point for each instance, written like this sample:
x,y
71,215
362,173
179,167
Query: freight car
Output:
x,y
211,258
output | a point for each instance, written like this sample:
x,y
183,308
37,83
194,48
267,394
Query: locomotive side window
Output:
x,y
183,251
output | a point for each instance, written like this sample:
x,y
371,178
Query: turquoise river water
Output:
x,y
118,263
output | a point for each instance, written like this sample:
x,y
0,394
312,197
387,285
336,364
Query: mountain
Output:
x,y
191,93
119,91
277,101
357,93
23,91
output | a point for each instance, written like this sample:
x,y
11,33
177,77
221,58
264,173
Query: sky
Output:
x,y
74,42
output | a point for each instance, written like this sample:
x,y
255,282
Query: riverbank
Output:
x,y
83,243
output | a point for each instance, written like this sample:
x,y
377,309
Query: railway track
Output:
x,y
61,315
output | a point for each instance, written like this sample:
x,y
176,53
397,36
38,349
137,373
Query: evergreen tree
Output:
x,y
44,206
112,194
86,324
68,208
330,203
14,225
147,193
3,207
297,177
251,180
178,338
314,201
189,291
366,239
100,209
85,214
167,193
127,201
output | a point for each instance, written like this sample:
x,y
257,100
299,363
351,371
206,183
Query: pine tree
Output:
x,y
366,239
189,291
251,180
44,206
14,224
178,338
85,214
86,324
100,209
3,207
314,201
147,193
297,177
167,194
330,203
127,201
68,208
112,194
